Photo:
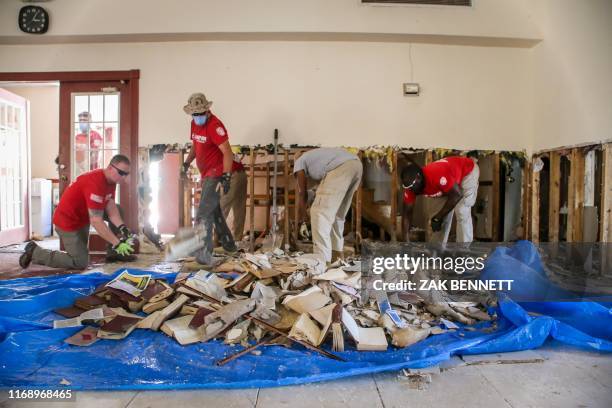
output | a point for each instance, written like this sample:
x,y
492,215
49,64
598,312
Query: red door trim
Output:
x,y
67,76
132,77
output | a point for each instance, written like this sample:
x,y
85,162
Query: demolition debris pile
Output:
x,y
264,299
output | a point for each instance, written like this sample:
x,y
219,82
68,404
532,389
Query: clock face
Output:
x,y
33,20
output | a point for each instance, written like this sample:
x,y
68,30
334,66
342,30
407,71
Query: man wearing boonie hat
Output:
x,y
215,160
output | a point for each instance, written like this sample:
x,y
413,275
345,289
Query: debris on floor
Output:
x,y
257,299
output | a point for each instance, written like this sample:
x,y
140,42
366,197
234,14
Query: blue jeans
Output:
x,y
210,213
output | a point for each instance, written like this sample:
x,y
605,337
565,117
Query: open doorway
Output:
x,y
60,150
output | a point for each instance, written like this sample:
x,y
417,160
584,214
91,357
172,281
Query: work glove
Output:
x,y
124,232
305,232
226,181
123,248
436,224
186,167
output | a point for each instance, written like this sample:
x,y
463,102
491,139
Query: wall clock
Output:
x,y
33,20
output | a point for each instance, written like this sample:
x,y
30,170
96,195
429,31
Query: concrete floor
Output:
x,y
567,378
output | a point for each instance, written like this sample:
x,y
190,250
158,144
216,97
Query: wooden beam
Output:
x,y
429,158
575,202
495,191
554,196
394,188
534,204
268,195
286,199
252,201
296,207
358,209
525,197
605,207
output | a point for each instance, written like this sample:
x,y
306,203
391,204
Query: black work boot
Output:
x,y
26,258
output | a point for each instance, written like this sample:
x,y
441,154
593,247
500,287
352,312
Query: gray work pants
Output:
x,y
209,214
76,255
76,245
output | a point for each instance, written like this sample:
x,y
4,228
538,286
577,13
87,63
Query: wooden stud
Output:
x,y
252,201
605,207
495,234
525,195
554,196
268,195
286,198
575,202
296,207
394,188
534,213
358,209
429,158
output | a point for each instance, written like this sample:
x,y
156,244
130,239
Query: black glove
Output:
x,y
436,224
225,182
124,231
186,167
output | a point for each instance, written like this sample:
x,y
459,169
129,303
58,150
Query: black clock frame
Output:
x,y
24,22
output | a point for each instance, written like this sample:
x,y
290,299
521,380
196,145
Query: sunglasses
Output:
x,y
121,172
199,114
409,186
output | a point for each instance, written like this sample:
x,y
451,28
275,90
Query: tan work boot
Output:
x,y
337,255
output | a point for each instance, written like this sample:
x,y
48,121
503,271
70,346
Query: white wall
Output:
x,y
44,131
330,93
572,72
491,18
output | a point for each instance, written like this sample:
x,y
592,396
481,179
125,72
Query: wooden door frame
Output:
x,y
16,235
132,78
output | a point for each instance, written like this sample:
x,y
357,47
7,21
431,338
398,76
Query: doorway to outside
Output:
x,y
109,101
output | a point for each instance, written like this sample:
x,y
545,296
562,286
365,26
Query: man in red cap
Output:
x,y
215,160
87,201
453,177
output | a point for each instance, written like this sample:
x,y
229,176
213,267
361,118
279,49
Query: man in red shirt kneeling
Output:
x,y
453,177
89,200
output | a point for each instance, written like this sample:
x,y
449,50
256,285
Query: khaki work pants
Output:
x,y
235,201
331,204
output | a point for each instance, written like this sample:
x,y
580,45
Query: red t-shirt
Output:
x,y
441,176
90,190
206,140
95,143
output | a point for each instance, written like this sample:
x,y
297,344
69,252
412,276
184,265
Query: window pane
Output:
x,y
108,155
81,104
111,108
111,136
96,107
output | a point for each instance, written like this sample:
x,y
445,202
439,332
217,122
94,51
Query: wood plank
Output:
x,y
252,201
268,196
495,191
605,208
429,158
286,199
576,196
554,196
394,188
358,209
515,357
296,207
525,196
534,219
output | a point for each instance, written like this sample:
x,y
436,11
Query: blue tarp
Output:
x,y
34,355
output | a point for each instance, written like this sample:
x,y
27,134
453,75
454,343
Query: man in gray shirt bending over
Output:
x,y
339,174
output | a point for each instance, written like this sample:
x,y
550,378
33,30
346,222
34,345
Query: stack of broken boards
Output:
x,y
297,294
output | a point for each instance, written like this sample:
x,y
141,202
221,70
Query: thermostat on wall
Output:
x,y
411,89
